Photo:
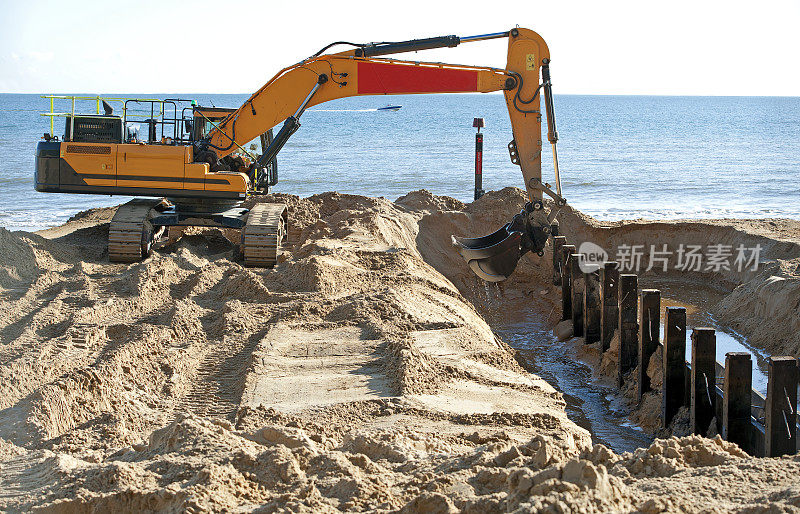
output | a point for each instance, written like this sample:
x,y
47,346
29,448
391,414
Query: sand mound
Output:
x,y
122,381
665,457
765,308
759,303
18,260
359,374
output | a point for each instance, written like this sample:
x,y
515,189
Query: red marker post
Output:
x,y
478,123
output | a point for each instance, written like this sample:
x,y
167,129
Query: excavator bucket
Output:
x,y
493,257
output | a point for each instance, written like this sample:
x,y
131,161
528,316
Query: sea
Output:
x,y
621,157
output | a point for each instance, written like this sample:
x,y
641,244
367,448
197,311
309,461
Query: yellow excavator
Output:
x,y
193,169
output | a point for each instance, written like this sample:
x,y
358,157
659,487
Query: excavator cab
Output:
x,y
262,177
205,119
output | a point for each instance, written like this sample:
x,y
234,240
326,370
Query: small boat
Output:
x,y
390,107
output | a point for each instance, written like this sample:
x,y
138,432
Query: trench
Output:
x,y
698,300
590,400
593,401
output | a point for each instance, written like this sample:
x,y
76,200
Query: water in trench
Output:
x,y
590,399
698,301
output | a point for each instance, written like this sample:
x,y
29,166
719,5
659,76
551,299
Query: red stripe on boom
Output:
x,y
379,78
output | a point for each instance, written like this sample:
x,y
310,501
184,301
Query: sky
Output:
x,y
231,46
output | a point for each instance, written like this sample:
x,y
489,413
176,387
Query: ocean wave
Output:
x,y
620,214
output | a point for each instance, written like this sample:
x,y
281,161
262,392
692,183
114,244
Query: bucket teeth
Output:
x,y
130,231
263,234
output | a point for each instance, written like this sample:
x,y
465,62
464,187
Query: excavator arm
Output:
x,y
361,71
324,78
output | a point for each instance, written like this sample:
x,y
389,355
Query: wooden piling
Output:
x,y
577,284
628,324
703,397
674,363
609,298
555,230
736,399
566,282
558,243
649,328
591,307
780,433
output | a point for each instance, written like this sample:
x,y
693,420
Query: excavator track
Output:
x,y
130,235
263,234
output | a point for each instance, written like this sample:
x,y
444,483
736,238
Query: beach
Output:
x,y
363,373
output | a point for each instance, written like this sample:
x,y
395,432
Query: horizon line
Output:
x,y
415,94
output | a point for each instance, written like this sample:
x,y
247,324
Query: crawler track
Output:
x,y
263,235
130,233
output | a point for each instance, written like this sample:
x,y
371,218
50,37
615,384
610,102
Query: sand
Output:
x,y
361,374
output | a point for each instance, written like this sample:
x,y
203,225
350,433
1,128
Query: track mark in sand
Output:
x,y
296,368
220,378
25,474
50,319
18,316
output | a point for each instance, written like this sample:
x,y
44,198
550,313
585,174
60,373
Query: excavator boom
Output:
x,y
326,78
360,72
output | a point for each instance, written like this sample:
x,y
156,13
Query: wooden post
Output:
x,y
609,315
704,379
673,389
780,433
558,242
628,324
566,282
591,307
736,399
650,325
577,283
